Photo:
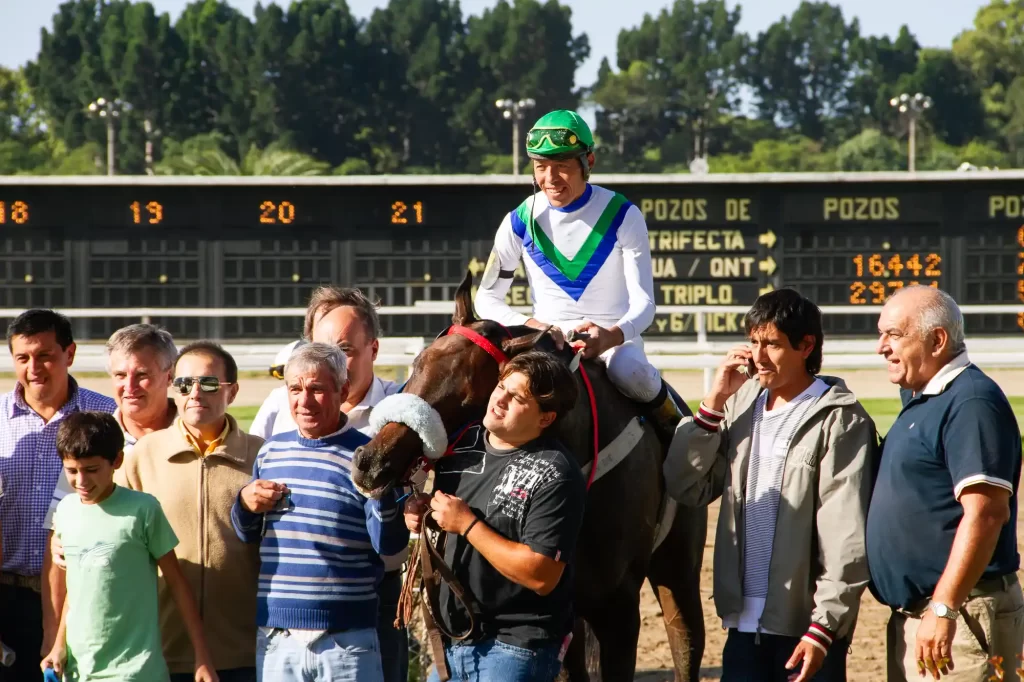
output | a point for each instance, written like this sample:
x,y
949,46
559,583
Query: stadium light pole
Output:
x,y
515,111
109,110
913,108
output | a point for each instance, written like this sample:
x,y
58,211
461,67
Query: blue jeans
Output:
x,y
394,642
347,656
495,661
745,660
232,675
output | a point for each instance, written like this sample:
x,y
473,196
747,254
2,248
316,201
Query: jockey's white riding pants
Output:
x,y
628,368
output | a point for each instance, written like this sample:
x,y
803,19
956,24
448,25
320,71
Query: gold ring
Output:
x,y
920,664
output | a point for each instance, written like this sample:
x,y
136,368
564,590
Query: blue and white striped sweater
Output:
x,y
320,552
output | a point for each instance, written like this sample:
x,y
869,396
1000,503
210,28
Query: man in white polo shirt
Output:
x,y
346,318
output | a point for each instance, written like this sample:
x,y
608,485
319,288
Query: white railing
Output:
x,y
399,352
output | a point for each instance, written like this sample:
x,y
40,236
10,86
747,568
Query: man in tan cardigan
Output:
x,y
195,468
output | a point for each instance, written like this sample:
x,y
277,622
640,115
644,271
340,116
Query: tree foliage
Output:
x,y
307,87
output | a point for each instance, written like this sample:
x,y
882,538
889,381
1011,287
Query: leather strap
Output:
x,y
481,341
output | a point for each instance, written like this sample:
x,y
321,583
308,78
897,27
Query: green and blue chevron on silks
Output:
x,y
572,275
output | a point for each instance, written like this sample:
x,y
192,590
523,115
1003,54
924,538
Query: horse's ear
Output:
x,y
513,347
464,302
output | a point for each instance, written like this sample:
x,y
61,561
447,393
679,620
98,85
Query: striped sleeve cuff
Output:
x,y
818,636
708,419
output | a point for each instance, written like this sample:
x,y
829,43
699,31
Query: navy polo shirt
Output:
x,y
960,430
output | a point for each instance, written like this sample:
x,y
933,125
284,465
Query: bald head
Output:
x,y
345,327
919,331
933,309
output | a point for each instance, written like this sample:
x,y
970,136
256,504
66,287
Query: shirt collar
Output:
x,y
944,377
214,446
72,404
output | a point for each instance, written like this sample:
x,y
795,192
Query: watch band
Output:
x,y
943,611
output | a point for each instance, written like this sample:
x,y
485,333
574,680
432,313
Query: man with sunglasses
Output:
x,y
195,467
587,259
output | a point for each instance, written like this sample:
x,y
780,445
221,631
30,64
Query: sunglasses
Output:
x,y
183,385
558,137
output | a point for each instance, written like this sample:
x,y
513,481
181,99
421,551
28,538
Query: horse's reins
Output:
x,y
426,556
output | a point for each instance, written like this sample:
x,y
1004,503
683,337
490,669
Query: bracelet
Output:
x,y
475,521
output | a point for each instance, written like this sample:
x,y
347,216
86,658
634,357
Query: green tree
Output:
x,y
526,49
801,68
869,151
880,63
958,114
203,155
693,55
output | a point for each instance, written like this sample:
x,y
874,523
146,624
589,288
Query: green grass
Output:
x,y
883,410
244,415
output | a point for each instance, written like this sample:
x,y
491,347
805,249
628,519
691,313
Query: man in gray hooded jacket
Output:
x,y
791,454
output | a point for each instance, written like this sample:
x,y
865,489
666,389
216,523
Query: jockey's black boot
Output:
x,y
666,413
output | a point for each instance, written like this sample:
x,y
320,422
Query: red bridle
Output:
x,y
482,341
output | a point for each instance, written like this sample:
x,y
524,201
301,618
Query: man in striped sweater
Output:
x,y
320,539
790,453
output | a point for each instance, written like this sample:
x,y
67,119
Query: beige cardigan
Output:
x,y
197,494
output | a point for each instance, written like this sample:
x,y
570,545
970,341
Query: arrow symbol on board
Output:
x,y
476,266
768,239
767,266
765,290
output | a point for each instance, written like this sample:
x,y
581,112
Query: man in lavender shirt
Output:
x,y
42,349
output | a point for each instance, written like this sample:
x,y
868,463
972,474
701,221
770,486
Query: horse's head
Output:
x,y
454,376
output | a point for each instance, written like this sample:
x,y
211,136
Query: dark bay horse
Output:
x,y
616,552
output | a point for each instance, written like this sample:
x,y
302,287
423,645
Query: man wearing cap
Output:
x,y
588,262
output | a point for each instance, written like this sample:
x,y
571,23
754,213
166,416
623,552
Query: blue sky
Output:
x,y
935,22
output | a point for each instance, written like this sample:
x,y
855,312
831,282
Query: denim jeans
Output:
x,y
232,675
347,656
394,642
495,661
745,660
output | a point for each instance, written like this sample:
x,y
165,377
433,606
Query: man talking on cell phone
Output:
x,y
790,454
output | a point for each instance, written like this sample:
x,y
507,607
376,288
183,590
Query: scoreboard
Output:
x,y
840,239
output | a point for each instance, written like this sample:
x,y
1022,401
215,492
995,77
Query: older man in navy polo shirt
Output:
x,y
941,532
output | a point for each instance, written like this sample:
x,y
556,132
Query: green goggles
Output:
x,y
557,139
183,385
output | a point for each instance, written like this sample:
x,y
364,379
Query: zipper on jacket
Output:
x,y
202,536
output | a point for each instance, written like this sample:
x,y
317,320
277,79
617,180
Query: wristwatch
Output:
x,y
942,611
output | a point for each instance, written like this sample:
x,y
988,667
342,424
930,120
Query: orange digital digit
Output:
x,y
267,215
932,268
1020,235
19,212
857,293
1020,289
418,207
878,289
875,265
3,213
398,209
1020,320
1020,263
156,212
286,212
895,265
858,260
913,264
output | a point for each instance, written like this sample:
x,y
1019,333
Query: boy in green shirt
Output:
x,y
114,540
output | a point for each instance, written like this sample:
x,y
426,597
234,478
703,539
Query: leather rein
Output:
x,y
429,559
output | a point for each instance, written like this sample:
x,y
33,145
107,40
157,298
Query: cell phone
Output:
x,y
750,369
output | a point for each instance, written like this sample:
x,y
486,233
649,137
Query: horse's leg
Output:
x,y
674,574
616,627
574,665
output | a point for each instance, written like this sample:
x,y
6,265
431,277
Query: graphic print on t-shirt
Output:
x,y
518,482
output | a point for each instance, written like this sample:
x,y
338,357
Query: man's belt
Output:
x,y
30,582
985,586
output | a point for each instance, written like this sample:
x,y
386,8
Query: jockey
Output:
x,y
587,259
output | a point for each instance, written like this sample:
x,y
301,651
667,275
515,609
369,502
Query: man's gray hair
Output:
x,y
137,337
317,356
938,310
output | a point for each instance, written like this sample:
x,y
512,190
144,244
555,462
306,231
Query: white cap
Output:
x,y
282,356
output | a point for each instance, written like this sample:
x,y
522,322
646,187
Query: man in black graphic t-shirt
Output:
x,y
511,500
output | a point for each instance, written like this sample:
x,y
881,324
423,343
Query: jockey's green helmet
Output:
x,y
560,135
